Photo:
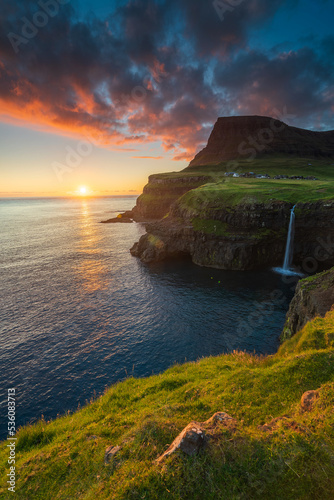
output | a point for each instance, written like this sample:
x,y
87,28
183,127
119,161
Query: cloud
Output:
x,y
148,157
212,35
300,81
151,71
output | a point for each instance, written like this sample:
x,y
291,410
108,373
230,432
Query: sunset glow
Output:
x,y
75,115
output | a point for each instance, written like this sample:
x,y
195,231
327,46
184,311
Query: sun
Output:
x,y
83,190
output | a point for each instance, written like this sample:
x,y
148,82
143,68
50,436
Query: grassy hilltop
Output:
x,y
292,459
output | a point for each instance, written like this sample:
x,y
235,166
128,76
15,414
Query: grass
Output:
x,y
323,280
57,460
322,169
272,165
210,226
231,192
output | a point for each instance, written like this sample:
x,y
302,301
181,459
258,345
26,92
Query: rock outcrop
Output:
x,y
125,217
110,453
314,296
190,441
197,434
242,137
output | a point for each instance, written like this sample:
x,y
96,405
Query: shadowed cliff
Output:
x,y
238,137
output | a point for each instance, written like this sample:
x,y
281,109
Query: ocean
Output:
x,y
79,313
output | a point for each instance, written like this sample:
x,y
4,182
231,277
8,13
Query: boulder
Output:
x,y
110,453
308,399
196,435
218,418
190,441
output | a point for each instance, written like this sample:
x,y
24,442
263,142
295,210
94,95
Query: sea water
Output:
x,y
79,313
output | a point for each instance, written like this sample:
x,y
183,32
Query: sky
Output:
x,y
104,93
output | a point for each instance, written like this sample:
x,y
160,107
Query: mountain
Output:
x,y
247,137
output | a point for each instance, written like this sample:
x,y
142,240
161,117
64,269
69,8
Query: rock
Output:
x,y
161,192
92,438
117,219
219,417
308,399
125,217
314,296
196,435
190,441
110,453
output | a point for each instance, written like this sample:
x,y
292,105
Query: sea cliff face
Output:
x,y
161,191
246,236
314,296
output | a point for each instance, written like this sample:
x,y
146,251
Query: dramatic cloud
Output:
x,y
300,81
151,70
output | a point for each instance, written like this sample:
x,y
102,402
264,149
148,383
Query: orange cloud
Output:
x,y
149,157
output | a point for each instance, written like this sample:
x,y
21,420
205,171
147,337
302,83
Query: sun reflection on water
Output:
x,y
91,268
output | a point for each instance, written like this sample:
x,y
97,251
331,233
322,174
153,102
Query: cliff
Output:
x,y
239,137
161,191
314,296
248,235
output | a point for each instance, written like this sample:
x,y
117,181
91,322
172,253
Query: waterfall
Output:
x,y
286,269
289,242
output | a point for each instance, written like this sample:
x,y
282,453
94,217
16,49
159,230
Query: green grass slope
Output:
x,y
231,192
294,460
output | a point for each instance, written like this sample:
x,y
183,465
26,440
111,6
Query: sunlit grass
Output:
x,y
231,192
57,460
